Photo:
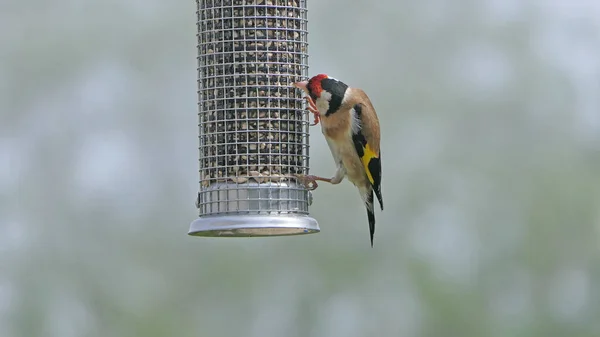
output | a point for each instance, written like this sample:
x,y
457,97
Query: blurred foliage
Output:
x,y
491,154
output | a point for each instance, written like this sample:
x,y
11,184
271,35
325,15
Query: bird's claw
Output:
x,y
316,120
311,103
307,181
312,107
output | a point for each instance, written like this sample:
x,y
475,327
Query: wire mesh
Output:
x,y
253,129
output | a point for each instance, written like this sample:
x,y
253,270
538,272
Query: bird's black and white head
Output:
x,y
327,92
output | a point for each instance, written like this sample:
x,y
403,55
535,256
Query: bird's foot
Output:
x,y
317,119
311,103
310,181
312,107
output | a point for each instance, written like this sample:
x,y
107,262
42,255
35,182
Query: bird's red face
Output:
x,y
313,87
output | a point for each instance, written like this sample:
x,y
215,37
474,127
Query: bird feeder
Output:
x,y
253,127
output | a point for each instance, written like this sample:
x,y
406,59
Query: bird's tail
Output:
x,y
371,216
367,194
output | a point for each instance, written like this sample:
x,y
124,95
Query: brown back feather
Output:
x,y
370,127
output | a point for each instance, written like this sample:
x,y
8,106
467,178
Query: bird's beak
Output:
x,y
301,85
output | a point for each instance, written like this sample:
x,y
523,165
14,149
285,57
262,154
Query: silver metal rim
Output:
x,y
253,225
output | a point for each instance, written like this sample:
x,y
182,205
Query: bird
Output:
x,y
351,128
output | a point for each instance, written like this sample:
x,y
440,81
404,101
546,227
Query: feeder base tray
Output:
x,y
253,225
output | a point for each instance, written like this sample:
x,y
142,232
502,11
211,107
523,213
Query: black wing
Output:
x,y
369,154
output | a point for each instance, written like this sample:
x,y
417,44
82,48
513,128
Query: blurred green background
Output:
x,y
491,163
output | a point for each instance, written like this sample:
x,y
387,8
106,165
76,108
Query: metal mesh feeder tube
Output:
x,y
253,129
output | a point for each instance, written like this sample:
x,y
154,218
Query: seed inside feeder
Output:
x,y
251,119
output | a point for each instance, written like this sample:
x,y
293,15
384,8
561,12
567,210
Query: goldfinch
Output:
x,y
351,127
